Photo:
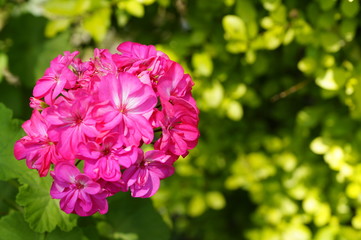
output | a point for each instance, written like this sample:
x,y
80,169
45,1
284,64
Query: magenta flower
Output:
x,y
130,105
37,148
143,177
71,123
77,192
104,158
179,127
174,83
101,113
57,77
135,54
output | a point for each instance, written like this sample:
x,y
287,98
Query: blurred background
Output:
x,y
278,86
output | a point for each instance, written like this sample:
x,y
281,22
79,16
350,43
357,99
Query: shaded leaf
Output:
x,y
10,132
40,210
14,227
135,216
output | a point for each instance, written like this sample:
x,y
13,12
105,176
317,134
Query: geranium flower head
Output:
x,y
102,112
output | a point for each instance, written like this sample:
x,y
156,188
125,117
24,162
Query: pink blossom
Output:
x,y
57,77
143,177
37,148
178,122
103,62
174,83
85,72
103,159
129,104
141,60
71,123
77,192
102,112
134,52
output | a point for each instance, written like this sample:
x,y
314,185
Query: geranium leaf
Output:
x,y
40,210
74,234
10,131
14,227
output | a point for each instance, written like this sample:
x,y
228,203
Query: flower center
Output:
x,y
79,185
106,151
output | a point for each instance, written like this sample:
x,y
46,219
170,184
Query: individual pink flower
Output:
x,y
77,192
178,122
174,83
57,77
143,177
127,105
71,122
104,158
38,150
143,61
132,53
103,62
85,72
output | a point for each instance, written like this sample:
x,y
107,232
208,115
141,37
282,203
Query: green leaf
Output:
x,y
133,7
330,41
3,64
327,4
350,8
197,205
215,200
348,28
234,27
10,132
40,210
98,23
332,79
135,216
202,63
7,197
14,227
245,9
67,7
271,5
27,39
234,110
75,234
57,25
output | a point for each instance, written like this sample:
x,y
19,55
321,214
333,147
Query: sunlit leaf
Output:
x,y
234,110
202,63
133,7
234,27
57,25
97,23
215,200
213,95
67,7
3,64
197,206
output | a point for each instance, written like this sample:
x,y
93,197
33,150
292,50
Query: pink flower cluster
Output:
x,y
91,119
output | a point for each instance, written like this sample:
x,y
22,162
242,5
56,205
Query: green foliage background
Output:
x,y
278,86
